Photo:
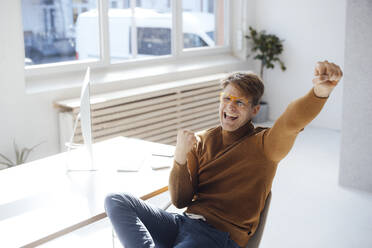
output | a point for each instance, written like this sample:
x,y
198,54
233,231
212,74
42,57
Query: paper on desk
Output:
x,y
165,150
159,162
129,162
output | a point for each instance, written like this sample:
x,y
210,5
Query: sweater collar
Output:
x,y
230,137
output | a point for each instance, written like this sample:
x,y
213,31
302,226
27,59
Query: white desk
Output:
x,y
41,200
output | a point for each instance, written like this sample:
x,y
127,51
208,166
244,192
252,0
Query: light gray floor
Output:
x,y
308,207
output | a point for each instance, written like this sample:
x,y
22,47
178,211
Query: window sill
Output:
x,y
114,78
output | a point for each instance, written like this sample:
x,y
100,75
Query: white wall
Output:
x,y
14,105
313,31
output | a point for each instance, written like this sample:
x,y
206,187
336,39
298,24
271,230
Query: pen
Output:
x,y
162,155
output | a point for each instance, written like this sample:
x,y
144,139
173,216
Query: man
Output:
x,y
223,175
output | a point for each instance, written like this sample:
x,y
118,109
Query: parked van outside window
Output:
x,y
153,31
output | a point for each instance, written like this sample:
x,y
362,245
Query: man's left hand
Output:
x,y
327,75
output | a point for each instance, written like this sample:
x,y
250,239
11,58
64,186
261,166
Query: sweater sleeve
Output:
x,y
278,140
183,179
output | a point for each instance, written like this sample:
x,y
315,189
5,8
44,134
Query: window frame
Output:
x,y
177,51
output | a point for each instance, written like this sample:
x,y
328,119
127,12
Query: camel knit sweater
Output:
x,y
228,175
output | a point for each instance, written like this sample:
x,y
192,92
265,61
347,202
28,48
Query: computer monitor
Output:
x,y
85,117
86,162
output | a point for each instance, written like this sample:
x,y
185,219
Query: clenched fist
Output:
x,y
185,141
327,75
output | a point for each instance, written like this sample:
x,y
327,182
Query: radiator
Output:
x,y
153,113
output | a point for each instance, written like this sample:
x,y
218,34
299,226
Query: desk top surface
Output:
x,y
41,197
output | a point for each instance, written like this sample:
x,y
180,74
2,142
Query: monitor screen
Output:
x,y
85,120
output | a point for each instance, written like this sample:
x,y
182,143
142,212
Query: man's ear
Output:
x,y
256,109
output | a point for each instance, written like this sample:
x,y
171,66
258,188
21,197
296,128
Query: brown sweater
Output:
x,y
229,174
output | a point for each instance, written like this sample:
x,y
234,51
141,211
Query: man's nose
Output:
x,y
231,105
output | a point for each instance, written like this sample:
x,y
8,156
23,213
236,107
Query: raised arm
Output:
x,y
278,140
183,176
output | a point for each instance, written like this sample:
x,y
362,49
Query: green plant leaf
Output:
x,y
29,150
27,153
8,162
23,156
282,66
16,150
266,47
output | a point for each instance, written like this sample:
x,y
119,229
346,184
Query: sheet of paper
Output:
x,y
159,162
129,162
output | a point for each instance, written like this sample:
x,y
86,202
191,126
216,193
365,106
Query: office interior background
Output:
x,y
334,30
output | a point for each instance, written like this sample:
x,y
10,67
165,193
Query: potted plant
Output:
x,y
266,48
20,154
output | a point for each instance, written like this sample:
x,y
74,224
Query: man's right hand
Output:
x,y
185,142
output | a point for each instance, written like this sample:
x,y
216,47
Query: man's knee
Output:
x,y
118,201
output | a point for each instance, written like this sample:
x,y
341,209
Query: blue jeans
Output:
x,y
138,224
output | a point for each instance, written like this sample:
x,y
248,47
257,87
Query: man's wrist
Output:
x,y
321,93
180,159
179,163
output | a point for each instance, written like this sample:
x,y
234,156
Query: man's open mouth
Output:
x,y
229,117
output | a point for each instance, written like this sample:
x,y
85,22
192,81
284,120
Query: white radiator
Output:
x,y
152,113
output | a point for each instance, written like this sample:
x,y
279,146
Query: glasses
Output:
x,y
238,101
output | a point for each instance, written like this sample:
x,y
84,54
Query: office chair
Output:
x,y
255,240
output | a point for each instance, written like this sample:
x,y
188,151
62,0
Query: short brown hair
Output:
x,y
249,83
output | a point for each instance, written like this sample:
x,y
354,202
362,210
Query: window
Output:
x,y
49,28
193,40
154,41
140,31
202,19
78,30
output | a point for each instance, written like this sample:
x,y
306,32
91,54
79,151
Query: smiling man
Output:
x,y
223,175
239,100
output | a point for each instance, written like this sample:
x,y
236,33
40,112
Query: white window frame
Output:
x,y
177,51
